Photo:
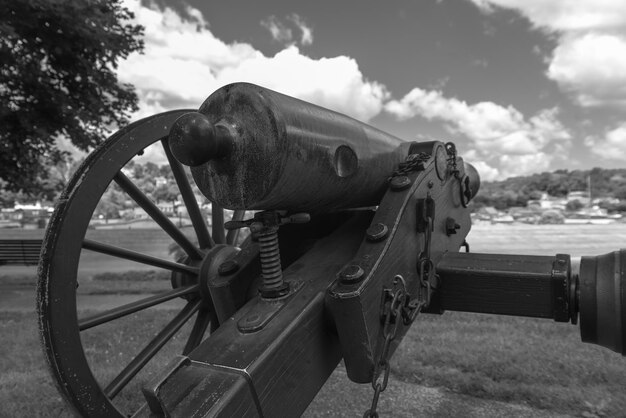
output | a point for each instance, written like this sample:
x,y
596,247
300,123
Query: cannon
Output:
x,y
348,234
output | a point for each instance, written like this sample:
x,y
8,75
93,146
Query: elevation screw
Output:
x,y
265,226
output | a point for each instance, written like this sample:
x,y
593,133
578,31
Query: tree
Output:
x,y
574,205
151,170
620,193
58,79
166,193
111,203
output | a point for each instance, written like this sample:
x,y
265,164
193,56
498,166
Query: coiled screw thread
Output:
x,y
264,227
271,269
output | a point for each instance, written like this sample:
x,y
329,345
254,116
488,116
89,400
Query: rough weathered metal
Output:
x,y
293,155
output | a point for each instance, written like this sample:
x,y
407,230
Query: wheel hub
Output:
x,y
216,261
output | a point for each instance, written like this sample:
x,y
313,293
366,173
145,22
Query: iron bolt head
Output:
x,y
377,232
399,183
451,226
228,267
351,274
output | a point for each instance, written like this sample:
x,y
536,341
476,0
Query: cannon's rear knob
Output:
x,y
194,140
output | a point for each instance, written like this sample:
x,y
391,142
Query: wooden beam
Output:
x,y
277,370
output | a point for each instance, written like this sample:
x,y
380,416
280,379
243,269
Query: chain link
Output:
x,y
390,331
451,150
402,307
413,162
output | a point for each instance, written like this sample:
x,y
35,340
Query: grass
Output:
x,y
535,362
106,283
538,363
26,388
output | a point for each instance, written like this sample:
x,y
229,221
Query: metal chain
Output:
x,y
413,162
466,194
390,329
402,306
451,150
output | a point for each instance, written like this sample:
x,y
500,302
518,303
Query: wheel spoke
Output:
x,y
197,219
233,234
159,217
217,220
199,328
151,349
138,257
133,307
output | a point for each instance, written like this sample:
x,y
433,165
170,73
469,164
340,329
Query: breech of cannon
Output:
x,y
542,287
253,148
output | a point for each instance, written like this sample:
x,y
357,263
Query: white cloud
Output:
x,y
183,63
590,58
336,83
565,15
491,127
307,33
593,67
517,165
486,172
278,30
283,34
612,146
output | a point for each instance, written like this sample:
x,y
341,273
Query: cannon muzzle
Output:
x,y
602,300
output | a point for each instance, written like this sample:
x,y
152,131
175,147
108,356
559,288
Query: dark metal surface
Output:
x,y
290,155
355,304
602,287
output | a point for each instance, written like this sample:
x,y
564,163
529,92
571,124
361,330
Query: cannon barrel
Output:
x,y
253,148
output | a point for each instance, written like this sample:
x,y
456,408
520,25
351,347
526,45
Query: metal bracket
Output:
x,y
425,208
264,309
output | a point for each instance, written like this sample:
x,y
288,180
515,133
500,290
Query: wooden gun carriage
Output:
x,y
354,233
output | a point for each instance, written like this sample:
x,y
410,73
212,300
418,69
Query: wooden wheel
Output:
x,y
65,328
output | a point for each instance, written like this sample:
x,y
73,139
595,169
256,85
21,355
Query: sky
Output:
x,y
520,86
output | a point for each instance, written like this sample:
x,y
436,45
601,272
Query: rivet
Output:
x,y
351,274
376,232
430,184
399,183
228,267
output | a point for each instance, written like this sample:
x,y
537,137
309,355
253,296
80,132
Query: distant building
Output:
x,y
167,208
548,202
160,181
27,214
581,195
